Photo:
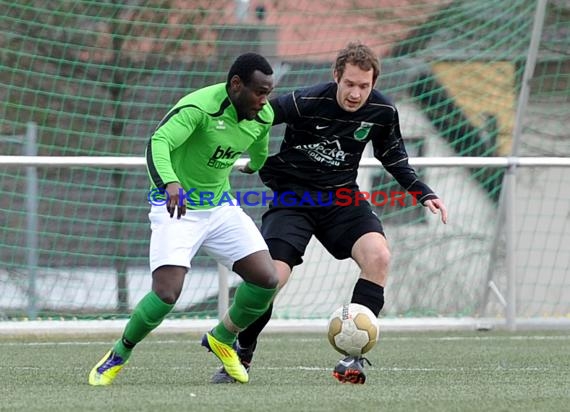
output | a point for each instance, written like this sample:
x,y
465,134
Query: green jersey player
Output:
x,y
192,152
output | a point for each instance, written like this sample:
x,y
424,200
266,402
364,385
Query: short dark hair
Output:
x,y
246,64
360,55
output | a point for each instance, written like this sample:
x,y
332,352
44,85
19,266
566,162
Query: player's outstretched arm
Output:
x,y
437,204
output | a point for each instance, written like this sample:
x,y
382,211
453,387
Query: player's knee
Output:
x,y
167,282
258,269
269,279
264,276
283,272
375,260
168,296
383,256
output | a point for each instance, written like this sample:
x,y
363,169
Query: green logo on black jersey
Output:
x,y
362,132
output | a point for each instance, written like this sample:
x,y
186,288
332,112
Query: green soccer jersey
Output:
x,y
198,142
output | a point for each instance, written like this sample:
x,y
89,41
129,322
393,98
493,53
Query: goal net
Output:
x,y
89,78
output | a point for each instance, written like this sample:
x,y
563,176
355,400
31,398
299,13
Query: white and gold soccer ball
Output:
x,y
353,329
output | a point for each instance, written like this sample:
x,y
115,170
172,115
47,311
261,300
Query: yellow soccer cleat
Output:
x,y
228,356
105,372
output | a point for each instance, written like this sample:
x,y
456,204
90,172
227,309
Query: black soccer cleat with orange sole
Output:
x,y
351,370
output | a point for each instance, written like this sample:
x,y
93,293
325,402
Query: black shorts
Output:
x,y
287,230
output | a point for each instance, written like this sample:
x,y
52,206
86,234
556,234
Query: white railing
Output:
x,y
124,162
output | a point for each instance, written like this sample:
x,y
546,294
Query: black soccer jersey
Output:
x,y
323,143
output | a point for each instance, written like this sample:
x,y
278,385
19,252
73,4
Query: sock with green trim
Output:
x,y
250,302
146,316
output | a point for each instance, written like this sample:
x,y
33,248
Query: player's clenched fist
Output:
x,y
175,200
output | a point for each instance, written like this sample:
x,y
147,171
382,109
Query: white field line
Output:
x,y
305,340
309,368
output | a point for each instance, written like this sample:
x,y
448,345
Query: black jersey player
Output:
x,y
328,127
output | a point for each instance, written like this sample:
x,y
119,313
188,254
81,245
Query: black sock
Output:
x,y
369,294
247,338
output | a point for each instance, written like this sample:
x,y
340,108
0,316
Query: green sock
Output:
x,y
250,302
146,316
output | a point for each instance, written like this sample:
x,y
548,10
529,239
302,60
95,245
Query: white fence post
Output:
x,y
223,290
32,242
510,246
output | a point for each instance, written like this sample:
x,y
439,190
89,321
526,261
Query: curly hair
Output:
x,y
360,55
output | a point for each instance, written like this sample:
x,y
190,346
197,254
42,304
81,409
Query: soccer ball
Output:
x,y
353,329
